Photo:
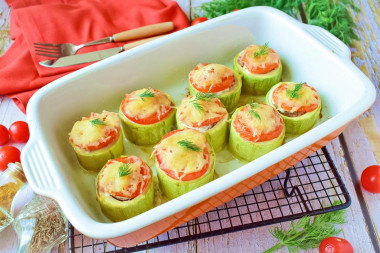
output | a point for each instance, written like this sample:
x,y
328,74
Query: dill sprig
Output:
x,y
188,145
252,110
125,170
264,50
201,97
308,233
97,121
145,94
295,92
334,16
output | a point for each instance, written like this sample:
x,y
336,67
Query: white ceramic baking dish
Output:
x,y
309,54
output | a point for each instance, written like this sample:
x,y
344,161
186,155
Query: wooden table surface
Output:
x,y
357,148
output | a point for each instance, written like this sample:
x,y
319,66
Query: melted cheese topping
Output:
x,y
174,157
191,117
307,97
268,122
142,107
111,183
85,133
210,74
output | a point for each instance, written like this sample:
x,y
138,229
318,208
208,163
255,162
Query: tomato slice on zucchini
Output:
x,y
295,97
258,123
197,112
95,131
211,78
125,178
260,59
146,106
184,154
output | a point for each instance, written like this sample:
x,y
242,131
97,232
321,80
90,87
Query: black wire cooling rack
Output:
x,y
308,188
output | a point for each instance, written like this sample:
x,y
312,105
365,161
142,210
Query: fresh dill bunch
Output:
x,y
334,16
147,93
308,233
97,121
124,170
188,145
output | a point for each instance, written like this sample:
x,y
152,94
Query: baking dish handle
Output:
x,y
37,169
329,40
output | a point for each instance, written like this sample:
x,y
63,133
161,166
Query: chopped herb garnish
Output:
x,y
97,121
252,110
201,97
147,93
124,170
262,51
188,145
294,93
308,233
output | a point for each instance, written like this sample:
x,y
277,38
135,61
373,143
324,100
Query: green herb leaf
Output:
x,y
252,110
294,93
125,170
264,50
334,16
98,121
307,234
145,94
201,97
188,145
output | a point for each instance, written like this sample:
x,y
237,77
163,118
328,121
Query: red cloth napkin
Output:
x,y
75,21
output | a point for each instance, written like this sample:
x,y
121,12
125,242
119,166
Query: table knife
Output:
x,y
93,56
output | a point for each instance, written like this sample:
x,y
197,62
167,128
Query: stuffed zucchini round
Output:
x,y
260,68
256,129
184,162
124,188
96,139
298,103
217,79
205,113
146,116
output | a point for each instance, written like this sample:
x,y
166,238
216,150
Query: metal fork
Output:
x,y
66,49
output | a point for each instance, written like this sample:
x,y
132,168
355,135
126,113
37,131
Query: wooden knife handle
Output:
x,y
144,31
140,42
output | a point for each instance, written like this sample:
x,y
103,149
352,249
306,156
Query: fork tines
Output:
x,y
47,49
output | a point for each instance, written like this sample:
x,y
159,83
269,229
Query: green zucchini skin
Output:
x,y
257,84
229,99
296,125
95,160
147,134
216,136
174,188
246,150
117,210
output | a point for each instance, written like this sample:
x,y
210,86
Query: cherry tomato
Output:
x,y
236,10
19,131
4,135
199,20
8,154
370,179
335,245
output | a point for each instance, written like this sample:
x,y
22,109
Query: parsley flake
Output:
x,y
201,97
188,145
295,92
125,170
97,121
264,50
147,93
252,110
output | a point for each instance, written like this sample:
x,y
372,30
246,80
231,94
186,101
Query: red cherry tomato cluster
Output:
x,y
18,132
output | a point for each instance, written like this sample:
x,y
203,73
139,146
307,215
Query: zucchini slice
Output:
x,y
248,150
298,124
